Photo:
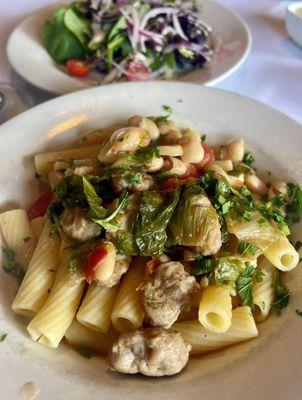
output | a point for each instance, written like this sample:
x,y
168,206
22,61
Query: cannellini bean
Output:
x,y
218,171
105,268
204,282
123,140
223,153
173,151
236,150
189,134
279,187
237,181
255,185
164,258
150,127
155,164
178,167
167,127
226,165
134,120
193,152
173,136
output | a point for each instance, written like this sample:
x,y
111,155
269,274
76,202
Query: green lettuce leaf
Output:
x,y
60,43
155,211
78,25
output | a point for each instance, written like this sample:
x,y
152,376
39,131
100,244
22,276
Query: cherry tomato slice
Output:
x,y
77,67
138,72
39,207
92,263
208,158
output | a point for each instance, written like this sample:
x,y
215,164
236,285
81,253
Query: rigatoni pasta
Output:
x,y
282,254
96,308
18,235
243,328
40,275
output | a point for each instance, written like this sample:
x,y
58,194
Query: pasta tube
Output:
x,y
128,311
282,254
40,275
79,335
243,328
215,309
264,292
95,310
51,323
18,235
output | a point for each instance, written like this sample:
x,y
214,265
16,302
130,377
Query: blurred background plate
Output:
x,y
29,58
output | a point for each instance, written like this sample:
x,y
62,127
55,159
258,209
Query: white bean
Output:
x,y
237,181
218,171
236,150
155,164
174,136
189,134
193,152
226,165
223,153
150,127
173,151
105,268
167,127
134,120
279,187
178,167
255,185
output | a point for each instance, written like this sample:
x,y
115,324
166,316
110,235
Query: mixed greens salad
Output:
x,y
136,40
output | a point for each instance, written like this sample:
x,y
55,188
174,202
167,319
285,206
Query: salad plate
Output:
x,y
28,368
230,37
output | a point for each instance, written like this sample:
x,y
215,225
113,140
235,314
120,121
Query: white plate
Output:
x,y
268,367
29,58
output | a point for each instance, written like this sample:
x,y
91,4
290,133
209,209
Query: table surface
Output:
x,y
272,73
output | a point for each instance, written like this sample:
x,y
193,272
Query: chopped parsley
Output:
x,y
299,313
3,337
248,158
168,109
282,295
203,137
162,175
134,178
298,245
84,351
11,266
244,248
204,265
244,284
294,206
74,264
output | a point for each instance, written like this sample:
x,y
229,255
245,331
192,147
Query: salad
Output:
x,y
150,246
133,40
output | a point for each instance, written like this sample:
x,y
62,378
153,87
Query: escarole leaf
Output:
x,y
94,201
195,220
228,269
59,41
252,228
155,211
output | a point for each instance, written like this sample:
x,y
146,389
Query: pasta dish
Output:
x,y
149,246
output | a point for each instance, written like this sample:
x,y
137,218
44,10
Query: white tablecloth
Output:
x,y
271,74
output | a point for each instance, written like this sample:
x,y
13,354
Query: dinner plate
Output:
x,y
29,58
268,367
